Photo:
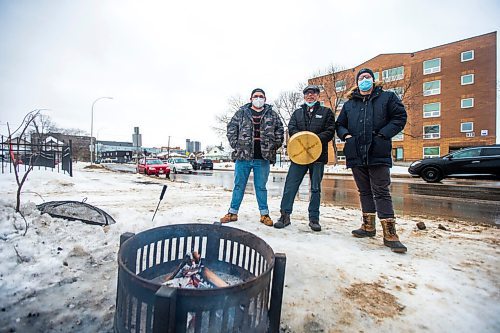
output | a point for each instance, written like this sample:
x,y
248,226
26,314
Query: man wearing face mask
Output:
x,y
255,133
367,122
320,120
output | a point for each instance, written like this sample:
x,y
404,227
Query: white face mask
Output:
x,y
258,102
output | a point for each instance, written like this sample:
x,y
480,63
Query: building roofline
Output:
x,y
457,41
430,48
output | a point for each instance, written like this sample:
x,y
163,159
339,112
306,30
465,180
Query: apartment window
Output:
x,y
467,127
393,74
467,103
398,91
398,153
467,79
432,132
376,75
432,88
321,88
398,137
341,103
340,85
432,110
467,55
432,66
430,152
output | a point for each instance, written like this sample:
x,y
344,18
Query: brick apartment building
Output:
x,y
449,92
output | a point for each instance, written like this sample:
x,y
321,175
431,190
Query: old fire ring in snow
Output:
x,y
143,304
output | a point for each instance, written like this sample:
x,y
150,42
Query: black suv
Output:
x,y
204,164
472,161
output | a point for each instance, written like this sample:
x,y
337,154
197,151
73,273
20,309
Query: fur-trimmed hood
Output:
x,y
350,93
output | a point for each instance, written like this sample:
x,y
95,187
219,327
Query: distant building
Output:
x,y
449,92
79,143
193,146
217,154
114,151
116,156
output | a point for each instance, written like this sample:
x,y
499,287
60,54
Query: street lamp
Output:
x,y
92,130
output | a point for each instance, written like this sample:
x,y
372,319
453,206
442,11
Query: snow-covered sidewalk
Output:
x,y
63,276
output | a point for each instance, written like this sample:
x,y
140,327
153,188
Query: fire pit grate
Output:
x,y
145,305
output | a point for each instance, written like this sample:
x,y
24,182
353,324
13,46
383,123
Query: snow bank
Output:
x,y
61,276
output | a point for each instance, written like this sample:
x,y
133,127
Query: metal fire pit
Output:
x,y
143,304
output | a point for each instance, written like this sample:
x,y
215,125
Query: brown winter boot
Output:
x,y
229,218
391,239
266,219
367,229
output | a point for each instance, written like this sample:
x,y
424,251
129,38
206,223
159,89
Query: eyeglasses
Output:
x,y
310,92
361,77
258,96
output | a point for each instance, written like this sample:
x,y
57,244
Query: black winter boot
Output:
x,y
283,221
367,229
391,239
314,225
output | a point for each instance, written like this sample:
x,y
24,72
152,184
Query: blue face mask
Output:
x,y
309,104
366,84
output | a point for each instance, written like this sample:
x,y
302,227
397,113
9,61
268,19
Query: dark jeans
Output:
x,y
295,175
373,185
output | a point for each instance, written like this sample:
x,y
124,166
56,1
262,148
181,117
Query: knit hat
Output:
x,y
257,90
365,70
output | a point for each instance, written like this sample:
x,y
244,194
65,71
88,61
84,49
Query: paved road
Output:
x,y
475,200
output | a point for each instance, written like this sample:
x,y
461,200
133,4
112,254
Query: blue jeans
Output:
x,y
260,174
295,175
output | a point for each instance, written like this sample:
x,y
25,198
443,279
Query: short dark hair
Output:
x,y
257,90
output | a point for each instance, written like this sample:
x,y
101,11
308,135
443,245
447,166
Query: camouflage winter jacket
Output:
x,y
240,133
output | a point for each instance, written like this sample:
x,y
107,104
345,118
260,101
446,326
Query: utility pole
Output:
x,y
168,147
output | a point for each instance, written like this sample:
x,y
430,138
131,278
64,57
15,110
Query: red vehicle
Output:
x,y
153,166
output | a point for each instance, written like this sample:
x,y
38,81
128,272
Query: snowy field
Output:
x,y
61,275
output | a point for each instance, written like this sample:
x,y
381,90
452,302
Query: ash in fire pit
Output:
x,y
161,289
192,273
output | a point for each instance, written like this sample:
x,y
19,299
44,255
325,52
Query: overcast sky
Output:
x,y
172,66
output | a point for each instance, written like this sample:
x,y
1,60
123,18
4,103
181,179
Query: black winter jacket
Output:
x,y
322,123
372,121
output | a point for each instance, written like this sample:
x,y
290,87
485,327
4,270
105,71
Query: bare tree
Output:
x,y
29,120
286,103
335,82
222,119
43,124
73,131
407,89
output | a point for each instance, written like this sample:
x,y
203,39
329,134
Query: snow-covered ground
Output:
x,y
61,275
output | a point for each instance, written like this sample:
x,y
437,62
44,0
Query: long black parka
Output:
x,y
372,121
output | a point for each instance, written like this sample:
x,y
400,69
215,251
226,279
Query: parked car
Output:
x,y
153,166
204,164
179,164
473,161
192,161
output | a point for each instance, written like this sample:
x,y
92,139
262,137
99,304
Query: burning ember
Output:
x,y
192,273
